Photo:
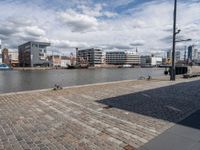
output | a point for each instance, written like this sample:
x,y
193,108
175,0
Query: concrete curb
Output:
x,y
180,80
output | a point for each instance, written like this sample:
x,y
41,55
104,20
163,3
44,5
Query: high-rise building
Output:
x,y
192,54
33,54
169,54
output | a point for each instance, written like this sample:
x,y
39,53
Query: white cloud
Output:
x,y
147,26
78,22
96,11
12,32
138,43
34,31
65,44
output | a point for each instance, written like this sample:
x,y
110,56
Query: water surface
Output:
x,y
12,81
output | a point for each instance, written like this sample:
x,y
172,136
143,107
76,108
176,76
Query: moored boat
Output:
x,y
5,67
82,66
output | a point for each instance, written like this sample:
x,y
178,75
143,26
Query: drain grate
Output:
x,y
129,147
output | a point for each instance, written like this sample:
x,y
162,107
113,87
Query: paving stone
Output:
x,y
114,116
44,148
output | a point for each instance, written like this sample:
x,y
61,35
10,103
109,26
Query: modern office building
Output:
x,y
192,54
92,56
33,54
145,60
169,54
116,58
150,61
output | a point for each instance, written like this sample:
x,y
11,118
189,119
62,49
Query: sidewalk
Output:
x,y
183,136
119,115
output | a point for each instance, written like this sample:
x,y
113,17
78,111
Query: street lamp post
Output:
x,y
173,69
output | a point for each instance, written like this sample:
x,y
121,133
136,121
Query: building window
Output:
x,y
41,54
34,45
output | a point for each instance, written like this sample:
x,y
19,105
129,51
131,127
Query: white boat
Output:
x,y
127,66
5,67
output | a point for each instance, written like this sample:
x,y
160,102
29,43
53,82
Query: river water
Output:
x,y
13,81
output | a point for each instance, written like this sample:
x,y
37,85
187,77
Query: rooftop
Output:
x,y
34,42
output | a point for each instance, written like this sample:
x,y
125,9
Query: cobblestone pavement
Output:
x,y
77,118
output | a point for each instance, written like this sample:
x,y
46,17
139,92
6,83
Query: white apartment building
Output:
x,y
132,58
122,58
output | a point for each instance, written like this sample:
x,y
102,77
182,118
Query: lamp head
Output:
x,y
179,30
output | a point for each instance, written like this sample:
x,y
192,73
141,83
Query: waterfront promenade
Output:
x,y
107,116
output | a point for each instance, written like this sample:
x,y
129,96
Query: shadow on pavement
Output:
x,y
171,103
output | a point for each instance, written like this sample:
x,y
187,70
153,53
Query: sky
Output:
x,y
107,24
